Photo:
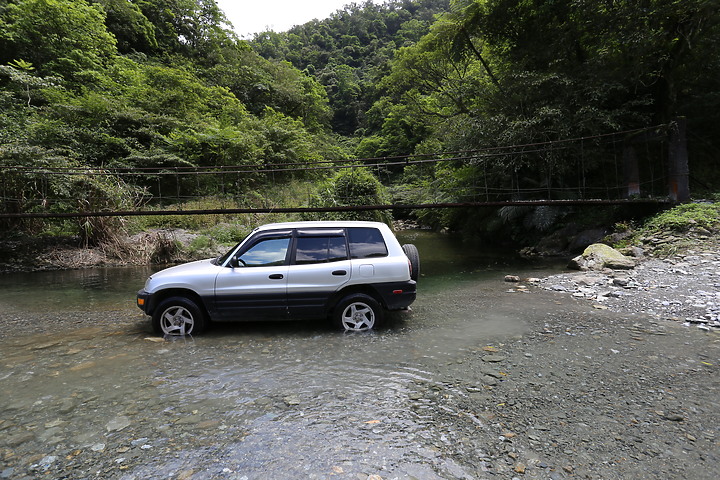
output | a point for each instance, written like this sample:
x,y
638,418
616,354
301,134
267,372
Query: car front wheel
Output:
x,y
178,316
357,313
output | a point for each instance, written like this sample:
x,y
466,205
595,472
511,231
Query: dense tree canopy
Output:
x,y
167,84
493,73
350,51
162,83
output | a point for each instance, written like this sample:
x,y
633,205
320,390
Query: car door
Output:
x,y
255,286
319,267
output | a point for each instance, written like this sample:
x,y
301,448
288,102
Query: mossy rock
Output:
x,y
604,256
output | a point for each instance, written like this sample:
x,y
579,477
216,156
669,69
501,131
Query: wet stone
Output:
x,y
673,417
19,439
291,401
188,420
117,424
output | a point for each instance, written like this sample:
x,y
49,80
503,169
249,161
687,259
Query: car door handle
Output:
x,y
276,276
339,273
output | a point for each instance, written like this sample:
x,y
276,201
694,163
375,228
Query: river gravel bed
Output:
x,y
616,383
621,379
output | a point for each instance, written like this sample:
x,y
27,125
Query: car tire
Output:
x,y
178,316
357,313
412,253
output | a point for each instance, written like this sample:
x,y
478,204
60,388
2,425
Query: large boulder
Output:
x,y
598,256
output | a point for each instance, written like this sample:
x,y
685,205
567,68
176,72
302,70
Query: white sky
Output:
x,y
252,16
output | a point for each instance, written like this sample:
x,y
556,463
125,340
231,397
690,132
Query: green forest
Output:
x,y
119,105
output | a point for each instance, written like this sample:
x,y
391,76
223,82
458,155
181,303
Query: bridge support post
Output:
x,y
679,171
631,171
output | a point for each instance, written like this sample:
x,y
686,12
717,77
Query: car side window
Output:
x,y
266,253
366,243
320,250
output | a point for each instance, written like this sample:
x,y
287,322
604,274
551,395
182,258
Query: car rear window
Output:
x,y
366,243
320,250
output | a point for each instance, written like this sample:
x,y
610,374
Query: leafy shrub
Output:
x,y
350,187
200,244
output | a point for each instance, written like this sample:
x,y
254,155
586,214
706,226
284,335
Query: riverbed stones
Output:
x,y
684,288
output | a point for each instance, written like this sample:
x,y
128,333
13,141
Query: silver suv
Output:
x,y
348,271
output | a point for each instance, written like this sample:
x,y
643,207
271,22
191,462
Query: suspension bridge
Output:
x,y
645,166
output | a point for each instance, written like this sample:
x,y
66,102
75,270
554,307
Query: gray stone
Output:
x,y
493,358
577,263
47,461
291,400
67,405
673,417
589,279
19,439
117,424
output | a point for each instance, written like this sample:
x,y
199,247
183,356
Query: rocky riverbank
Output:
x,y
683,287
620,380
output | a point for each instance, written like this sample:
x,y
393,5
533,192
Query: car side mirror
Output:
x,y
236,262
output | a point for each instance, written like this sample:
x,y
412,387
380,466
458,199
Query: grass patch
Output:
x,y
685,217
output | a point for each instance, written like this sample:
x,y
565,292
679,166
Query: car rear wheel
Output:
x,y
178,316
411,252
357,313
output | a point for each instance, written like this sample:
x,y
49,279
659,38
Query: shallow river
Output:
x,y
88,393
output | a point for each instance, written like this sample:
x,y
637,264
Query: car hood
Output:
x,y
197,275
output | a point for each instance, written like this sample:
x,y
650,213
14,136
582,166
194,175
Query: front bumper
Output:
x,y
143,301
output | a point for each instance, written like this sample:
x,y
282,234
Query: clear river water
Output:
x,y
87,392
